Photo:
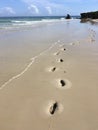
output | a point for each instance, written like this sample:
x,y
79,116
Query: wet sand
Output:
x,y
57,87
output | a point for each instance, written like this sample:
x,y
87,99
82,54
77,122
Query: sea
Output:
x,y
10,23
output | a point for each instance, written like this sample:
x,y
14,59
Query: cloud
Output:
x,y
7,11
58,7
33,9
49,9
41,2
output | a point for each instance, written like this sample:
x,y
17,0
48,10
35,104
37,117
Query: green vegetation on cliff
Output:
x,y
92,15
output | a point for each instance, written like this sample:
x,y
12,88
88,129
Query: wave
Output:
x,y
15,23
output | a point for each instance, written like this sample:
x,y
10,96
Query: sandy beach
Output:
x,y
49,77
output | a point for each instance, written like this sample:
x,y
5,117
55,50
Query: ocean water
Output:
x,y
22,22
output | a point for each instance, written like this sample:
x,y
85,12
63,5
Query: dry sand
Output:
x,y
65,83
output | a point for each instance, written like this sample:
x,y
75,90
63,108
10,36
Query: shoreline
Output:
x,y
27,67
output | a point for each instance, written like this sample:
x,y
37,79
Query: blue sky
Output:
x,y
46,7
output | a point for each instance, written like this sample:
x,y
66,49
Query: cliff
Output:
x,y
92,15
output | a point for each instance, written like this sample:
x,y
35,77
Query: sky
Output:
x,y
46,7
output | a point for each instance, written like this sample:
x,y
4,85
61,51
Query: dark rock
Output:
x,y
92,15
68,16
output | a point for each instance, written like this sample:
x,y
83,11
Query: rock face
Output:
x,y
53,108
92,15
68,16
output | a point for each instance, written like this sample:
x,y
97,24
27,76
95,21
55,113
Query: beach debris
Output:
x,y
62,82
53,108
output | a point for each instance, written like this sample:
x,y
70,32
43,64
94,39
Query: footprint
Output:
x,y
61,45
61,60
72,43
57,53
53,108
64,71
63,49
92,39
51,69
63,83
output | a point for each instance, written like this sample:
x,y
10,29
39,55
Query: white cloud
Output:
x,y
7,11
33,9
35,1
49,9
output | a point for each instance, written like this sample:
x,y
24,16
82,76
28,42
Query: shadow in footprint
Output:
x,y
61,60
65,71
63,49
57,53
53,108
53,69
62,82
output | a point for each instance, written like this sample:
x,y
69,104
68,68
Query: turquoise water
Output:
x,y
18,22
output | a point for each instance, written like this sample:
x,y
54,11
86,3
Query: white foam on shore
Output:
x,y
29,65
